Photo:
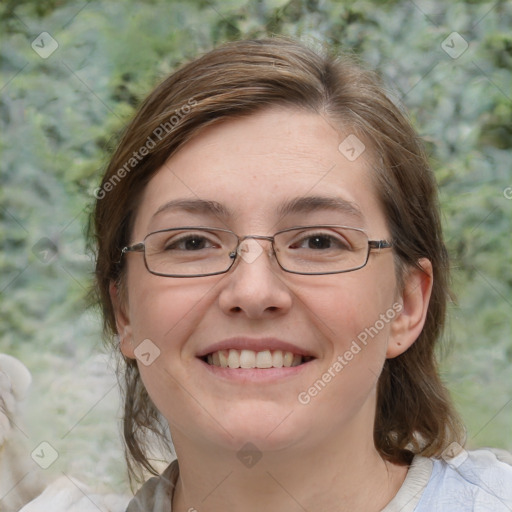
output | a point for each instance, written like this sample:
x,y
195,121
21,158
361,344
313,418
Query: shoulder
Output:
x,y
472,481
156,494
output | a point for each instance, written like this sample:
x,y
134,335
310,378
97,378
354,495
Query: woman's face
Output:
x,y
252,167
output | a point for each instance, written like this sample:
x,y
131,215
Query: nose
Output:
x,y
255,286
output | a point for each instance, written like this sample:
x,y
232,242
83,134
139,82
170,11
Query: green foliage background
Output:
x,y
58,117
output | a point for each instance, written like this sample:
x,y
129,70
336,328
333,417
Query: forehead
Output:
x,y
275,164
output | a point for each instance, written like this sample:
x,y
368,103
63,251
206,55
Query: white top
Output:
x,y
473,481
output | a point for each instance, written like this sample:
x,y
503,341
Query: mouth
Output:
x,y
249,359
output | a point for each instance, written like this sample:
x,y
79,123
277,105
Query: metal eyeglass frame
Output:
x,y
141,247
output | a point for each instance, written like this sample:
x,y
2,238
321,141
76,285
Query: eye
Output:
x,y
321,241
189,242
318,242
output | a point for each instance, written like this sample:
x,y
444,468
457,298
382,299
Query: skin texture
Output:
x,y
318,456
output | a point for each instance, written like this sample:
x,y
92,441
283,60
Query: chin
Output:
x,y
269,426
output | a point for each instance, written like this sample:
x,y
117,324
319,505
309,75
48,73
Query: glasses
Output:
x,y
306,250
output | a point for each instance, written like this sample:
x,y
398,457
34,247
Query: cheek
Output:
x,y
356,341
166,310
350,306
354,317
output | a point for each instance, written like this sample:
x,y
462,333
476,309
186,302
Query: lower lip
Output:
x,y
255,374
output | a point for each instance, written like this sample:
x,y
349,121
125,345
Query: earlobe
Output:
x,y
415,297
124,330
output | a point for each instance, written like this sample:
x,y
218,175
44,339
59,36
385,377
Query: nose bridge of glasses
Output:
x,y
257,237
249,249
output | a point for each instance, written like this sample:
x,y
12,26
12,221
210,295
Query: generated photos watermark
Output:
x,y
454,45
147,352
158,135
352,147
305,397
44,45
44,455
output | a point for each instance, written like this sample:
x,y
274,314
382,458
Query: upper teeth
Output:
x,y
233,358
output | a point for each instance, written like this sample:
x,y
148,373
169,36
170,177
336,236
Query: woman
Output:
x,y
270,257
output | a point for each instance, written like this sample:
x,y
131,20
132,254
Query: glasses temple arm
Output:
x,y
133,248
380,244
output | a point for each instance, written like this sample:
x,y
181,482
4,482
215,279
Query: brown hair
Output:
x,y
414,413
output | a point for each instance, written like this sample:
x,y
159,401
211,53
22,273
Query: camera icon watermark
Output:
x,y
44,45
249,455
44,455
147,352
352,147
454,45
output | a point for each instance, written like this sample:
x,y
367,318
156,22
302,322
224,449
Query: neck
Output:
x,y
335,476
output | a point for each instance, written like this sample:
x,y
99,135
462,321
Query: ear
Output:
x,y
124,329
414,299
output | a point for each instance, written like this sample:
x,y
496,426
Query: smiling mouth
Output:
x,y
264,359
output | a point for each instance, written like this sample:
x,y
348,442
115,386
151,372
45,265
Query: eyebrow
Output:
x,y
308,204
201,206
